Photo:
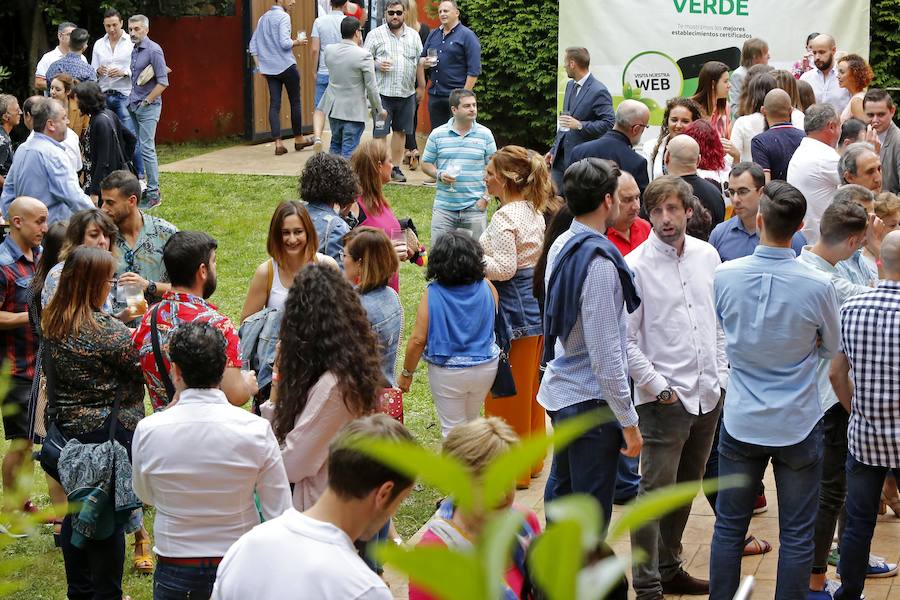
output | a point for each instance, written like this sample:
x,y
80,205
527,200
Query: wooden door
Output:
x,y
303,13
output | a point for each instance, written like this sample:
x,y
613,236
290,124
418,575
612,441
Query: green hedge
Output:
x,y
516,90
885,49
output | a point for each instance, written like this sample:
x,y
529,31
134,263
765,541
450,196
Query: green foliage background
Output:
x,y
516,90
885,49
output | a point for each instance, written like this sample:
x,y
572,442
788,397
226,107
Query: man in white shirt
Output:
x,y
111,58
676,356
40,72
813,168
311,554
199,463
823,78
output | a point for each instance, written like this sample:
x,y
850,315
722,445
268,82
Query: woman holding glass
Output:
x,y
512,246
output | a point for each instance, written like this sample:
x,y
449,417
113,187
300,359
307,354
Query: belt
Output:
x,y
114,93
209,561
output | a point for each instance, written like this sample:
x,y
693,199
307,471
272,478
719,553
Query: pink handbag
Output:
x,y
391,403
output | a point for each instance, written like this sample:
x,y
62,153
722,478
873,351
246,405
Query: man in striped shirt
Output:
x,y
456,154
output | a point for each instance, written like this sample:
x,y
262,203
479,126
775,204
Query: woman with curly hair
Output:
x,y
715,164
107,144
372,164
712,96
854,74
512,244
329,187
327,373
680,112
454,330
291,245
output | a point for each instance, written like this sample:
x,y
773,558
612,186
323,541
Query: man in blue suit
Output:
x,y
632,119
590,113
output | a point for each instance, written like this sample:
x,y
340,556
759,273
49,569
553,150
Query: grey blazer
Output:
x,y
890,160
351,78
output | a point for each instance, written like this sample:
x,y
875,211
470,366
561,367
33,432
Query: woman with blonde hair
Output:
x,y
512,246
476,444
291,245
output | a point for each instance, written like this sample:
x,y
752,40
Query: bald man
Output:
x,y
632,119
682,158
870,342
823,78
19,253
773,148
628,231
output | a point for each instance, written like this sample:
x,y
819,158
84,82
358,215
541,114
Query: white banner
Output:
x,y
652,50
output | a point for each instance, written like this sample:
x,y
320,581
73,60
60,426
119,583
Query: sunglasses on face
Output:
x,y
394,13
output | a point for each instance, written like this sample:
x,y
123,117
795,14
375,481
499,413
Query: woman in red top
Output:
x,y
476,444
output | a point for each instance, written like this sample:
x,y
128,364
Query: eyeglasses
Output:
x,y
394,13
641,125
740,192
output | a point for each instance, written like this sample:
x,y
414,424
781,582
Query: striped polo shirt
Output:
x,y
471,151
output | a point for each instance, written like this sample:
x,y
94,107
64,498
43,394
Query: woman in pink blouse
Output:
x,y
512,245
328,372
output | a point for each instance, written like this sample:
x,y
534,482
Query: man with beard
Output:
x,y
140,241
190,260
396,49
823,78
678,400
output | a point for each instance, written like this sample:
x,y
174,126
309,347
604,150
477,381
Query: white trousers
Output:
x,y
459,393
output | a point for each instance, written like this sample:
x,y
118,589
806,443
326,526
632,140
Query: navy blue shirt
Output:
x,y
73,64
459,56
773,149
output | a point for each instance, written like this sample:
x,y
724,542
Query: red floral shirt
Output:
x,y
174,309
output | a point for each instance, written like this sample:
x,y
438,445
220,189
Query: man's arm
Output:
x,y
473,62
272,483
602,116
139,482
470,82
640,368
368,71
40,83
830,330
63,185
13,320
839,374
238,385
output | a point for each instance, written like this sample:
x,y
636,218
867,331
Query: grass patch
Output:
x,y
168,153
235,209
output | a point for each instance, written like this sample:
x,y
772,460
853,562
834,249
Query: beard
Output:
x,y
824,66
209,287
395,26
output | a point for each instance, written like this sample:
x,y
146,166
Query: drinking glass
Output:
x,y
453,169
564,113
133,296
432,57
398,239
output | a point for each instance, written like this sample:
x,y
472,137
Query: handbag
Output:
x,y
390,402
504,385
54,440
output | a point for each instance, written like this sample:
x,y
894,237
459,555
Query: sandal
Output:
x,y
754,546
413,160
894,503
143,560
406,157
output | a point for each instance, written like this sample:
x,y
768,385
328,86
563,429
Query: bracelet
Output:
x,y
406,373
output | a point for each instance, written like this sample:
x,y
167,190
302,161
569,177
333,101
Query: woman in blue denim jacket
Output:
x,y
512,246
329,187
369,263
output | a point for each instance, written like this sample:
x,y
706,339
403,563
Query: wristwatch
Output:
x,y
665,395
151,288
406,373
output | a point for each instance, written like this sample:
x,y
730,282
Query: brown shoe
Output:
x,y
279,150
684,584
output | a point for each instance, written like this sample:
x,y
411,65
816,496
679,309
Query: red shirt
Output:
x,y
174,309
640,231
19,344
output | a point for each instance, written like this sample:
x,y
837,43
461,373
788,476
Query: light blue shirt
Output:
x,y
42,170
859,270
592,362
779,318
471,151
732,240
271,43
328,29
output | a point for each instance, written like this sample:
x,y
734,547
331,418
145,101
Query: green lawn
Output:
x,y
236,211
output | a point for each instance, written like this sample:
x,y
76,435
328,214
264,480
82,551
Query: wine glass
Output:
x,y
453,169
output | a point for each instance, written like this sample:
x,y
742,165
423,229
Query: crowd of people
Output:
x,y
727,290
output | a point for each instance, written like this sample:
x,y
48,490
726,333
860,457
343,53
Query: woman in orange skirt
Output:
x,y
512,245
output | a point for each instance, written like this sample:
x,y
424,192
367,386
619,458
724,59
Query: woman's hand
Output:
x,y
404,383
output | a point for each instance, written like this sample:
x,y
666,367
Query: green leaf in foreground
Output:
x,y
555,559
494,547
444,573
584,510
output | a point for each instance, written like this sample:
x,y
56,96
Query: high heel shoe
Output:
x,y
894,503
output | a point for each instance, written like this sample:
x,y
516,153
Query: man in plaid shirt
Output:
x,y
870,346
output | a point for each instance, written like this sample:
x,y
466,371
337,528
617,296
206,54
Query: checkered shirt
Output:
x,y
870,332
404,51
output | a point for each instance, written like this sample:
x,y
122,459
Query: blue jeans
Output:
x,y
345,136
470,219
864,484
628,479
147,118
798,470
178,582
587,465
321,84
118,103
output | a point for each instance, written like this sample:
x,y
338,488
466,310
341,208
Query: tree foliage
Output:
x,y
518,67
885,49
